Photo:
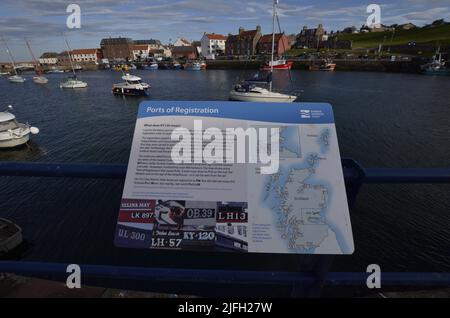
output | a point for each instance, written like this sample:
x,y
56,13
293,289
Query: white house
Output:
x,y
212,45
86,55
49,58
141,51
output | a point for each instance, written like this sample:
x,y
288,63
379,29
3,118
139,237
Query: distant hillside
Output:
x,y
434,35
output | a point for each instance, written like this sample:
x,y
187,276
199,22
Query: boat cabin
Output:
x,y
8,121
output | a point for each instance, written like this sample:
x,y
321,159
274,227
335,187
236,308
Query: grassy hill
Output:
x,y
433,35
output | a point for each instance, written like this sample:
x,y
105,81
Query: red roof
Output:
x,y
267,38
216,37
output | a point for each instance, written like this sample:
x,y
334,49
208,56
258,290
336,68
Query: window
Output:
x,y
7,125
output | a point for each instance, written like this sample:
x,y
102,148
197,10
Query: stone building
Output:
x,y
244,43
117,48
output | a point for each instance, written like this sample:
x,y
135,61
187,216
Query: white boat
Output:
x,y
56,71
72,82
152,66
40,79
16,78
10,236
132,86
251,93
248,91
12,133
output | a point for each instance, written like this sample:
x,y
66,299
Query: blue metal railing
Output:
x,y
220,282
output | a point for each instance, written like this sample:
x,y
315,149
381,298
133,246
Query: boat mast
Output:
x,y
10,57
34,58
275,2
70,57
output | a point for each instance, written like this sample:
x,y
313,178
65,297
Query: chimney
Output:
x,y
258,28
241,29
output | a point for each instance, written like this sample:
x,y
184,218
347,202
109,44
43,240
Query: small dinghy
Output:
x,y
10,236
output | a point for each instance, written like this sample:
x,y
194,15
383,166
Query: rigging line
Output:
x,y
284,49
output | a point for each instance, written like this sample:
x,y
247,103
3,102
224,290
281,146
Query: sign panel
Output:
x,y
236,177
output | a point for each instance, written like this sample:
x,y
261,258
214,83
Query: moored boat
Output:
x,y
278,65
39,79
16,78
192,66
326,66
132,86
152,66
13,133
72,82
437,65
248,91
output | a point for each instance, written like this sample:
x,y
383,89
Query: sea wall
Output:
x,y
342,65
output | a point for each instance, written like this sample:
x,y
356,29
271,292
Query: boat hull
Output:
x,y
129,92
16,79
255,97
73,85
10,242
327,68
40,80
287,66
14,142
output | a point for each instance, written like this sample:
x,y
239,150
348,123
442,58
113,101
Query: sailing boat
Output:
x,y
248,91
39,79
14,78
72,82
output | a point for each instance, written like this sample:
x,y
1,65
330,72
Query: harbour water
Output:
x,y
383,120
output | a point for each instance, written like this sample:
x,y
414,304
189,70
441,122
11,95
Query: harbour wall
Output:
x,y
341,65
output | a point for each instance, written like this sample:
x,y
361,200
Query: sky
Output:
x,y
43,22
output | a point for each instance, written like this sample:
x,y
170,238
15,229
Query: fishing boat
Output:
x,y
437,65
72,82
121,67
10,236
249,91
16,78
39,78
192,66
132,86
326,66
281,64
176,66
13,133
